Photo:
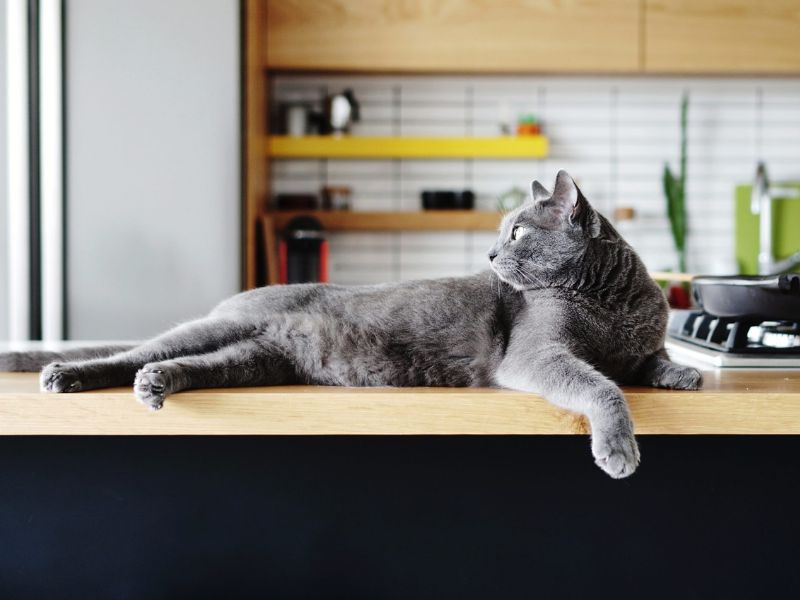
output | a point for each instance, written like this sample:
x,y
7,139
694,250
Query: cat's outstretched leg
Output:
x,y
202,335
568,382
243,363
659,371
33,361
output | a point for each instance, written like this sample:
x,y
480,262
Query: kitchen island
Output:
x,y
746,402
315,492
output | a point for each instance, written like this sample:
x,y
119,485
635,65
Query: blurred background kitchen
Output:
x,y
158,156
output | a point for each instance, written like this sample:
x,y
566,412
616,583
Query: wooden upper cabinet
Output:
x,y
566,36
722,36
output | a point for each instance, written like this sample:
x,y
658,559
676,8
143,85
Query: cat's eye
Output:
x,y
518,232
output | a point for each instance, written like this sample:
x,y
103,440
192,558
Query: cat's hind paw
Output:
x,y
59,378
617,453
151,387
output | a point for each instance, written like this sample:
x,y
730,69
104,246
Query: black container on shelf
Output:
x,y
296,202
448,200
303,252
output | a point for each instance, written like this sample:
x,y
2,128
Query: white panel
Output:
x,y
4,296
17,222
153,169
51,163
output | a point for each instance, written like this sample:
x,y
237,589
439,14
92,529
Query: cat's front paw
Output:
x,y
615,449
57,377
678,377
151,386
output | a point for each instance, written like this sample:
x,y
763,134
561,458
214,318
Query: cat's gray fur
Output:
x,y
568,311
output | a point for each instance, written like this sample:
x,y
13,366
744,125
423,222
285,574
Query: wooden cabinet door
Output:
x,y
454,35
722,36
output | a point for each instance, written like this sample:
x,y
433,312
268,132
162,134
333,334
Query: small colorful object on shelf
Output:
x,y
528,124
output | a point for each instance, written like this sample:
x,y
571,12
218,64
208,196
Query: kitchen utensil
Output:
x,y
447,200
774,297
294,118
297,120
670,276
341,111
761,204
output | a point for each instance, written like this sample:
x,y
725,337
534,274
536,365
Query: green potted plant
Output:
x,y
675,193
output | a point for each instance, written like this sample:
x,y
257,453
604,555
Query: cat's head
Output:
x,y
546,235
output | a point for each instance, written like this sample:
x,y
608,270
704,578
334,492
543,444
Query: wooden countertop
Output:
x,y
732,402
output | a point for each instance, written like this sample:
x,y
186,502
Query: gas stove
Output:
x,y
696,337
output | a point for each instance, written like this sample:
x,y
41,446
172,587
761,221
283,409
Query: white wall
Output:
x,y
3,199
613,134
152,163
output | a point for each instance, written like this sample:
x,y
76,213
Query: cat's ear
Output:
x,y
539,192
568,207
566,195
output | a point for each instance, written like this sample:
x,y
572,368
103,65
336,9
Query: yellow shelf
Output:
x,y
406,147
428,220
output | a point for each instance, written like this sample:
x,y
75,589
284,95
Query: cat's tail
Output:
x,y
33,361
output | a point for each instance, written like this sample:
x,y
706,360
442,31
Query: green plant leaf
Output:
x,y
674,197
675,190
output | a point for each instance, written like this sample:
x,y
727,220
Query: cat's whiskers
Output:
x,y
526,277
499,283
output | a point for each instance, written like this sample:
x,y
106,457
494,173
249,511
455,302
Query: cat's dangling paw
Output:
x,y
57,377
615,450
151,387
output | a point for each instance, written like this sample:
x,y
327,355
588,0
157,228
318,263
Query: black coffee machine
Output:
x,y
303,252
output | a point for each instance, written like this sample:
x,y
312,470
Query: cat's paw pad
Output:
x,y
59,378
678,377
617,454
151,387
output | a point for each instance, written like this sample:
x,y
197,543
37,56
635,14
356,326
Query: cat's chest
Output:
x,y
598,331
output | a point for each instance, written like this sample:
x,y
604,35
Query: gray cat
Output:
x,y
567,311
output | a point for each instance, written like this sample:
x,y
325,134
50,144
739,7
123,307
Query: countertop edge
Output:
x,y
765,407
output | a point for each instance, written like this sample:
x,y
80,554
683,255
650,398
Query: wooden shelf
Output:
x,y
427,220
406,147
731,402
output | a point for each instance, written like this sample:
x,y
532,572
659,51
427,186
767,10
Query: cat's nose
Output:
x,y
492,255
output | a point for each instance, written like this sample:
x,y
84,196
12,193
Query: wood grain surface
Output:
x,y
732,402
722,36
425,220
569,36
255,170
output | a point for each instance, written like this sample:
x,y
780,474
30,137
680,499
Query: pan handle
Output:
x,y
790,283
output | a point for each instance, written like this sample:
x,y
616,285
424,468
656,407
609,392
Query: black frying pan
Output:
x,y
764,298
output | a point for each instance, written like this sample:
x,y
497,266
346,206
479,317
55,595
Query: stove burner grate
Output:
x,y
739,336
